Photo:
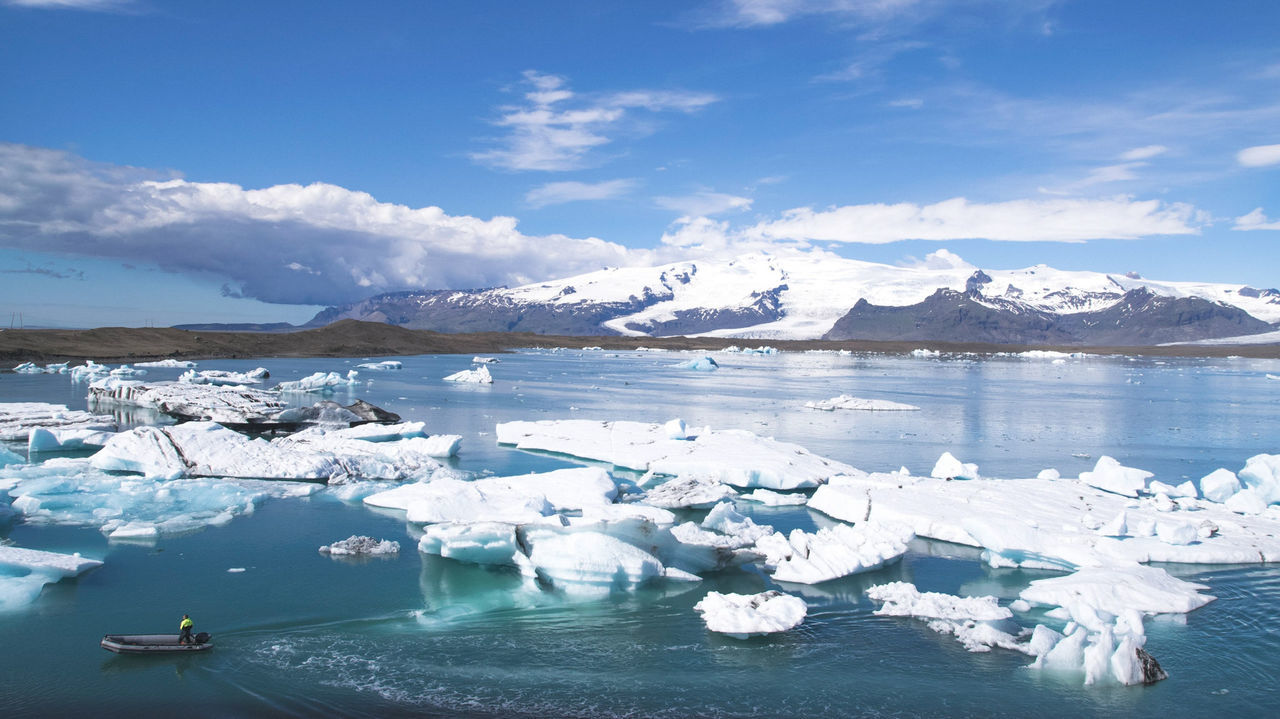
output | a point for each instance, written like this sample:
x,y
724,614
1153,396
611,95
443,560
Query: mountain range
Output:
x,y
821,296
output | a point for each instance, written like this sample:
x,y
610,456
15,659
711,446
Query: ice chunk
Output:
x,y
701,364
593,561
1247,501
226,404
776,499
1116,590
726,520
62,440
948,467
1219,485
471,376
126,371
30,569
925,353
324,382
361,545
167,363
747,615
382,366
834,552
17,419
8,457
730,456
1049,474
845,401
474,542
676,429
504,499
1261,473
1186,489
484,360
1109,475
224,377
972,620
88,371
695,492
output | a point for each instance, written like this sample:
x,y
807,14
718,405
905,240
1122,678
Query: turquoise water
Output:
x,y
299,633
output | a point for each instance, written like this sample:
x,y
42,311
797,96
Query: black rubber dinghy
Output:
x,y
154,643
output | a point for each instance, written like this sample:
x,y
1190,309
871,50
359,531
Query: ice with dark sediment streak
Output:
x,y
321,382
357,545
734,457
229,404
207,449
17,419
382,366
224,377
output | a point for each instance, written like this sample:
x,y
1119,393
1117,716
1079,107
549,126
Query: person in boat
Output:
x,y
185,628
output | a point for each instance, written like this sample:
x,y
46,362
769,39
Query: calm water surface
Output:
x,y
299,633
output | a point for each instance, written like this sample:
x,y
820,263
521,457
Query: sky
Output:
x,y
225,161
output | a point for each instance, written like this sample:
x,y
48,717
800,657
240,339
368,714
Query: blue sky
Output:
x,y
165,162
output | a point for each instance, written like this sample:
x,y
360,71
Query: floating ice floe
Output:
x,y
845,401
948,467
72,492
167,363
479,375
125,370
833,552
226,404
324,382
484,360
516,498
926,353
762,350
207,449
88,371
734,457
356,545
689,492
1108,474
17,419
700,364
63,440
1055,523
224,377
382,366
776,499
748,615
24,572
33,368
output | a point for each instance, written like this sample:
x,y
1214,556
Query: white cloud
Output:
x,y
703,203
103,5
313,244
1056,220
558,193
1259,156
763,13
1143,153
942,259
555,129
913,103
1256,220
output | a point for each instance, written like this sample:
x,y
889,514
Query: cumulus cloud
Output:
x,y
313,244
942,259
556,130
1259,156
558,193
1256,220
703,202
1057,220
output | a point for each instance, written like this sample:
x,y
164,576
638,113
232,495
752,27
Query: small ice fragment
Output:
x,y
745,615
471,376
948,467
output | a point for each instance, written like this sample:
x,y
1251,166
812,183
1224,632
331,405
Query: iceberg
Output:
x,y
516,498
88,371
845,401
484,360
8,456
167,363
207,449
17,419
224,377
689,492
1261,473
701,364
71,492
776,499
382,366
1219,485
472,376
833,552
948,467
733,457
1110,475
974,621
324,382
225,404
24,572
63,440
33,368
362,546
747,615
1051,523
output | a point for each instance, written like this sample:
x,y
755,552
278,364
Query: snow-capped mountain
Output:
x,y
812,295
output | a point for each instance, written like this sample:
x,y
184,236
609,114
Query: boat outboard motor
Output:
x,y
203,638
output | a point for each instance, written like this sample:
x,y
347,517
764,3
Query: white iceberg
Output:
x,y
747,615
30,569
167,363
776,499
974,621
382,366
1219,485
948,467
1261,473
41,439
484,360
500,499
838,551
1108,474
692,492
845,401
33,368
226,404
357,545
324,382
700,364
479,375
224,377
17,419
733,457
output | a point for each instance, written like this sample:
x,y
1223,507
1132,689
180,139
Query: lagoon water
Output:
x,y
299,633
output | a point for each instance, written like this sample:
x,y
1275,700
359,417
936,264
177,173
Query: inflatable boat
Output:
x,y
154,643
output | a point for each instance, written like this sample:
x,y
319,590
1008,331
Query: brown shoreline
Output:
x,y
350,338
